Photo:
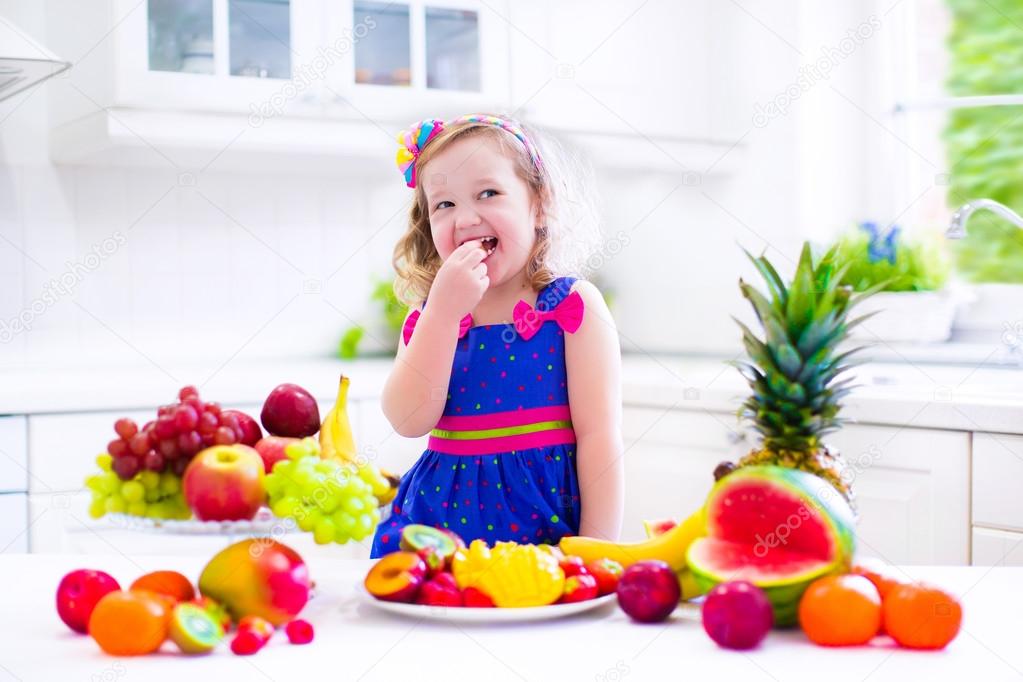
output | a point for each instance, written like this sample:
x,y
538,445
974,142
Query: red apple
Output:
x,y
648,591
225,483
251,433
271,449
579,587
396,577
290,411
78,593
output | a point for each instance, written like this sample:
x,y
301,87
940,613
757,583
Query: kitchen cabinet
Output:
x,y
993,547
912,495
670,457
997,472
14,530
911,492
13,454
297,78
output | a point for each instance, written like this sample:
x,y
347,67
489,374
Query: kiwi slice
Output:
x,y
415,537
194,630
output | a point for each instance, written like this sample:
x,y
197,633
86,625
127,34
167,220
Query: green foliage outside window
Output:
x,y
985,144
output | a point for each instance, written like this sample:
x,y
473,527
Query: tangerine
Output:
x,y
884,578
840,610
170,583
129,623
922,617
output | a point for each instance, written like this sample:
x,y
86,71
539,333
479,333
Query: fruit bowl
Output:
x,y
264,523
462,614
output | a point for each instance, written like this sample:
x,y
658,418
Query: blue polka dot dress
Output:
x,y
500,464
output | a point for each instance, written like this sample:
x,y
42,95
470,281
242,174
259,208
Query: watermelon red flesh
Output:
x,y
770,516
726,560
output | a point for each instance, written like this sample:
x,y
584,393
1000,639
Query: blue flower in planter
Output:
x,y
882,246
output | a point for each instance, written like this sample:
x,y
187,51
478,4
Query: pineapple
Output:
x,y
794,370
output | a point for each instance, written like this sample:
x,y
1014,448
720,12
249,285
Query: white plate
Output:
x,y
466,614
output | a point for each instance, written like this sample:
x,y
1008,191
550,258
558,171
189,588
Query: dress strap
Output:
x,y
554,293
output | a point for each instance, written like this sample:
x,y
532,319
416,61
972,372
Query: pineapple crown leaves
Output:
x,y
793,367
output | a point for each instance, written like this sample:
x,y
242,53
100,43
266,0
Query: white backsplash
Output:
x,y
258,265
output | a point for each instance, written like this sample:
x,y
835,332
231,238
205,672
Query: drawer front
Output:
x,y
705,430
912,492
997,475
14,532
992,547
13,454
63,447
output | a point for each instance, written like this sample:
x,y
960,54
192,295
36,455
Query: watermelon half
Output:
x,y
776,527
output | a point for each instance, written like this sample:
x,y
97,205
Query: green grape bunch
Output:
x,y
148,494
335,501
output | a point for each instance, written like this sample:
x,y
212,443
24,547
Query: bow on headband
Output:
x,y
414,139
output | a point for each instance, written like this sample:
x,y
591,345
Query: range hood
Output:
x,y
23,61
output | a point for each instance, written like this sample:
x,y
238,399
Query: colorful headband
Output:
x,y
414,139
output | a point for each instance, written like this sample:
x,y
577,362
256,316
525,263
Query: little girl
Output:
x,y
514,371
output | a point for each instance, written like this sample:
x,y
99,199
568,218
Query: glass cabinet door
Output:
x,y
452,49
186,36
181,36
260,38
382,54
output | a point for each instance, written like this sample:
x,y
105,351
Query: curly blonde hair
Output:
x,y
561,188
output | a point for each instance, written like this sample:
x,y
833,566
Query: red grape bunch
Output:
x,y
180,430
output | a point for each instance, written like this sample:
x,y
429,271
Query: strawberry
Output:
x,y
475,597
579,588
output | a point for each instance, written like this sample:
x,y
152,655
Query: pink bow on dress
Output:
x,y
410,324
568,314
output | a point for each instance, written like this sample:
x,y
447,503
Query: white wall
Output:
x,y
217,279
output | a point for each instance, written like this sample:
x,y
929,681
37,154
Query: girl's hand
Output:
x,y
460,282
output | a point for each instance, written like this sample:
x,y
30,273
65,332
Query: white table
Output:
x,y
355,641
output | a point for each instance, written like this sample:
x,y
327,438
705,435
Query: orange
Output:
x,y
170,583
922,617
884,577
840,610
129,623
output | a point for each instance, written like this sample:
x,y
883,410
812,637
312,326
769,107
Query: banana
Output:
x,y
669,547
336,440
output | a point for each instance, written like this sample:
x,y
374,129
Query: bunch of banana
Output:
x,y
337,442
670,546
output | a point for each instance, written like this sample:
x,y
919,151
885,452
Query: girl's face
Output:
x,y
473,191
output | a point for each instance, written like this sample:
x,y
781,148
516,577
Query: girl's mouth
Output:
x,y
489,244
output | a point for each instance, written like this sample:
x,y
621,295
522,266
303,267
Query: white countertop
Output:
x,y
963,397
355,641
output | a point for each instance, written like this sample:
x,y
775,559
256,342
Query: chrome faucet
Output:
x,y
957,228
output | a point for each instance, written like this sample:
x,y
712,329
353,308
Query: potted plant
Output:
x,y
387,327
912,305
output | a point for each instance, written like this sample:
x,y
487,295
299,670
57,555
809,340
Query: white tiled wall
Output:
x,y
262,264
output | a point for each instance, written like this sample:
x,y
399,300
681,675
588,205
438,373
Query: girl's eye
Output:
x,y
442,204
488,192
